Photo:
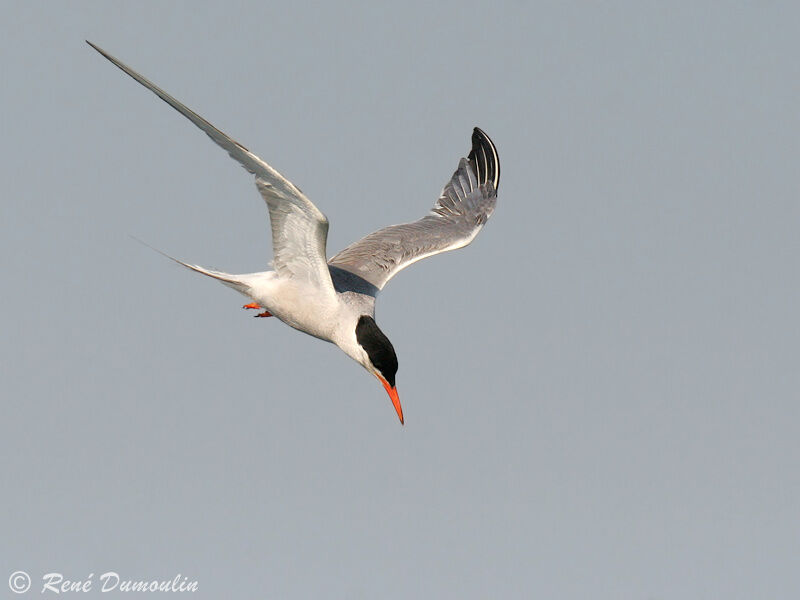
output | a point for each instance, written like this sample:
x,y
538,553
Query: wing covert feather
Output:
x,y
464,206
299,229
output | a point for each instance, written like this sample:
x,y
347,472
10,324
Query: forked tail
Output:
x,y
232,281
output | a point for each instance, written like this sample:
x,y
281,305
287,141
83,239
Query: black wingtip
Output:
x,y
484,156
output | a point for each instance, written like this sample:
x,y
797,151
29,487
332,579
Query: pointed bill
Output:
x,y
392,391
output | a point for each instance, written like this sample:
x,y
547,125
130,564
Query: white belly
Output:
x,y
297,304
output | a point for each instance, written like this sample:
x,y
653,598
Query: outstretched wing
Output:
x,y
466,203
299,229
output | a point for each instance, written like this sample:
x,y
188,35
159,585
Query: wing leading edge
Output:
x,y
299,229
465,204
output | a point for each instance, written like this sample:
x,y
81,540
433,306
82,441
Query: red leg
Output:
x,y
252,305
266,313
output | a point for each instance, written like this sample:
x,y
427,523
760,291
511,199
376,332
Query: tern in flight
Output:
x,y
334,300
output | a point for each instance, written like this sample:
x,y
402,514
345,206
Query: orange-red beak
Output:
x,y
392,391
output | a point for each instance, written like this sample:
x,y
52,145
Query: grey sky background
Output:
x,y
601,393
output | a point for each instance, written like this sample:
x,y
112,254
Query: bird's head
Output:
x,y
377,356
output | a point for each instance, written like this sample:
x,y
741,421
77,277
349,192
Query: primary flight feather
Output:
x,y
334,300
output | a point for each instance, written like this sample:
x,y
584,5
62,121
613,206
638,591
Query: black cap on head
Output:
x,y
378,348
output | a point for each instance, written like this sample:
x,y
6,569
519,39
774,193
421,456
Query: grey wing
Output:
x,y
464,206
299,229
